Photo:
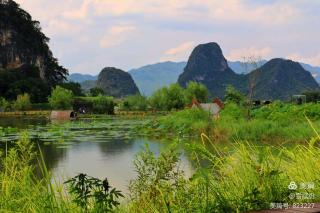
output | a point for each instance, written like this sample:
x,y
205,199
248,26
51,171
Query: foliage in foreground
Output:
x,y
246,178
21,189
92,194
26,188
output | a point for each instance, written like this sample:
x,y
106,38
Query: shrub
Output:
x,y
61,98
168,98
22,102
96,91
74,87
103,104
175,97
93,194
4,105
135,103
233,95
196,90
158,100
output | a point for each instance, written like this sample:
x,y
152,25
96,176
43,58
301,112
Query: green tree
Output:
x,y
135,102
196,90
74,87
22,103
96,91
61,98
103,105
26,79
234,96
168,98
4,104
159,98
175,97
29,40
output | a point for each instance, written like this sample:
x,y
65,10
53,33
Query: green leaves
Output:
x,y
61,98
92,194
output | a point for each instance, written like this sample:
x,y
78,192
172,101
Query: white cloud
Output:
x,y
80,13
227,10
178,53
116,35
239,54
180,49
312,60
78,26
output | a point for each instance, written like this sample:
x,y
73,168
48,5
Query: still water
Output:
x,y
102,147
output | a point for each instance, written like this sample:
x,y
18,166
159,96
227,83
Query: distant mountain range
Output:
x,y
276,79
151,77
77,77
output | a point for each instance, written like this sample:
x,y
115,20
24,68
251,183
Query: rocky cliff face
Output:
x,y
23,43
280,79
208,66
116,82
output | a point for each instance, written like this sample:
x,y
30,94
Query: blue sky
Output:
x,y
87,35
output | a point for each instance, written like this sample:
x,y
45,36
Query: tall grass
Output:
x,y
244,178
22,188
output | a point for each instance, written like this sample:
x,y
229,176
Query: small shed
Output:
x,y
63,115
213,108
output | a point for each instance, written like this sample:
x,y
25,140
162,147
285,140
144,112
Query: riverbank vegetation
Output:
x,y
246,177
274,123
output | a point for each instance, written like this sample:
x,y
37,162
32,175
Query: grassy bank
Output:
x,y
276,123
25,113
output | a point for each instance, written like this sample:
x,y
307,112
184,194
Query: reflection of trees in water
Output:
x,y
21,122
118,145
52,155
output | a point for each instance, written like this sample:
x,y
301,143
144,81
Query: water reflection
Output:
x,y
104,148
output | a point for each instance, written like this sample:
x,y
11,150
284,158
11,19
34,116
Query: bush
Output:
x,y
4,105
158,100
22,102
61,98
196,90
168,98
234,96
92,194
96,91
74,87
103,104
135,103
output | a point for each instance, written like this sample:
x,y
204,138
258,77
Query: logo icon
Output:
x,y
292,185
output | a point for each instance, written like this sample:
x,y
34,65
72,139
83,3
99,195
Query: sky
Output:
x,y
88,35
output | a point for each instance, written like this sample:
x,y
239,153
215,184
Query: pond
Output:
x,y
100,147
